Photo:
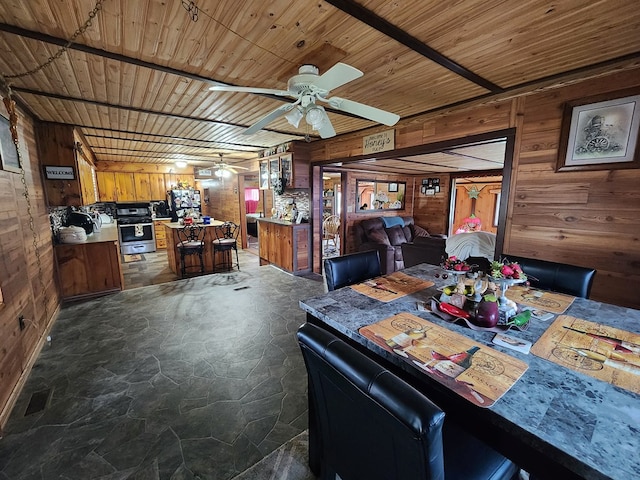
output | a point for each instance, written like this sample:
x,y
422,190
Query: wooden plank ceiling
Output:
x,y
136,82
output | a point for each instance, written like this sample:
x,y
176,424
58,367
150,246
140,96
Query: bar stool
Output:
x,y
226,240
191,242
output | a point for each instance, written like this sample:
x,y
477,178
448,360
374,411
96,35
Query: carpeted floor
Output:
x,y
288,462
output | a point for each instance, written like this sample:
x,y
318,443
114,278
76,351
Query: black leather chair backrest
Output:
x,y
352,268
367,423
372,424
557,277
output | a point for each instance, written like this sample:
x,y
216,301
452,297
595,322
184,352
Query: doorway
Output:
x,y
331,214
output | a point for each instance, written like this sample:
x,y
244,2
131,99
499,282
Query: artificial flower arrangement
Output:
x,y
454,263
507,270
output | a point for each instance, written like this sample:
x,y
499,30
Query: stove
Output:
x,y
135,228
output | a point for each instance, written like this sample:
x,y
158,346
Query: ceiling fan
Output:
x,y
307,88
224,170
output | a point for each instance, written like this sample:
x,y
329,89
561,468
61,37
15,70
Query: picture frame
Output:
x,y
600,132
393,187
8,155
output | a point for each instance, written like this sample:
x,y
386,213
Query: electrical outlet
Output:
x,y
21,322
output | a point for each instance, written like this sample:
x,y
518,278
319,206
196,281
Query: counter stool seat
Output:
x,y
191,242
226,241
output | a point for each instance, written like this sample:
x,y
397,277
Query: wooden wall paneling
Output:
x,y
55,147
28,289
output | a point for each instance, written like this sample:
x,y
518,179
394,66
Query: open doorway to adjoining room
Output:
x,y
331,213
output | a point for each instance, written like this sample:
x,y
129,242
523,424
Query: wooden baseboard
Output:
x,y
17,389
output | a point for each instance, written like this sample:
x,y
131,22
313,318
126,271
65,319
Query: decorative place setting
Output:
x,y
390,287
474,371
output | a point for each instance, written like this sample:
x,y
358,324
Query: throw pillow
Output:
x,y
378,236
396,235
392,221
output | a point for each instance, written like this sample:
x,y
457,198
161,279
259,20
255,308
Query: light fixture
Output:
x,y
181,164
315,117
294,116
222,173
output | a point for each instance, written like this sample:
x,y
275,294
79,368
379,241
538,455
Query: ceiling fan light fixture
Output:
x,y
315,117
294,117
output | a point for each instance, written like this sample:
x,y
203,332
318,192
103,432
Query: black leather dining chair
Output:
x,y
367,423
191,242
556,277
352,268
226,240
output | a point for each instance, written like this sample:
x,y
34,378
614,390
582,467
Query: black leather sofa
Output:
x,y
557,277
367,423
373,234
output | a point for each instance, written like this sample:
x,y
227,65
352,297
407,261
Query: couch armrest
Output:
x,y
386,252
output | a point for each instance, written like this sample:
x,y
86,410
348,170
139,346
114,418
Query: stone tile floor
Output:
x,y
194,379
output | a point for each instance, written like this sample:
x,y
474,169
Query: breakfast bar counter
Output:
x,y
192,261
554,421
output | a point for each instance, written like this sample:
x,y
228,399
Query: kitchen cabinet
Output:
x,y
161,233
107,186
158,186
285,245
292,165
142,187
125,187
63,146
92,268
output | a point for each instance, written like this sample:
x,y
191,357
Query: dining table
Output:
x,y
558,419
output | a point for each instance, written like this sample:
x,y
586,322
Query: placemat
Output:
x,y
542,299
392,286
474,371
603,352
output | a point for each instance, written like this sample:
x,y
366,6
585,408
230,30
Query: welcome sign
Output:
x,y
378,142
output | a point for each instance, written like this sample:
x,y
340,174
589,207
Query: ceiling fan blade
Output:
x,y
337,76
231,88
268,118
365,111
326,129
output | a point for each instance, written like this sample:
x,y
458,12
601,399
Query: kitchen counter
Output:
x,y
191,261
177,226
108,233
90,268
285,244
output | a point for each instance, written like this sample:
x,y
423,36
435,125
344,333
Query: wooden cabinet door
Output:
x,y
106,186
125,187
264,235
158,187
86,176
142,187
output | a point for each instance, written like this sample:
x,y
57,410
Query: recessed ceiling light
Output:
x,y
181,164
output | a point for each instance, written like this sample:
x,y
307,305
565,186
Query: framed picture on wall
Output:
x,y
600,133
393,187
8,153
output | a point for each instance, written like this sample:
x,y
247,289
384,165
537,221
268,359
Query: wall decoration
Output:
x,y
600,133
393,187
8,153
